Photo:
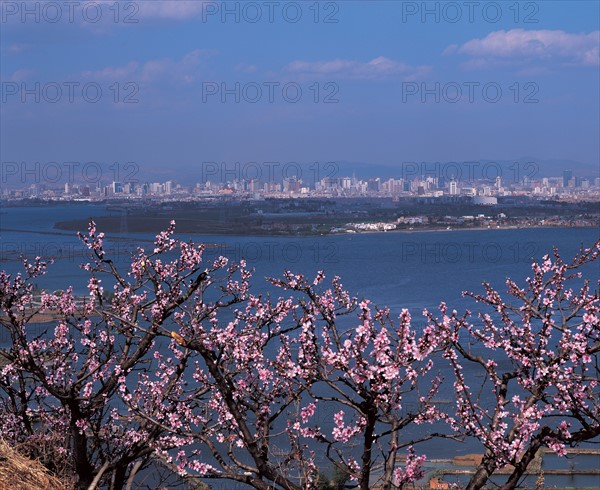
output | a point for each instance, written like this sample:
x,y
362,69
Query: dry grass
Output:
x,y
18,472
467,460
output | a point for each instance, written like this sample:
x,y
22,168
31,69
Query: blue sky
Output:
x,y
381,82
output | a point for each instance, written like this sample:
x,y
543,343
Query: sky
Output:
x,y
169,85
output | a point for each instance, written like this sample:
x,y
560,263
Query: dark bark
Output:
x,y
367,456
83,468
483,472
521,467
119,477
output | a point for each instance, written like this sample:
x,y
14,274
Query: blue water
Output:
x,y
395,269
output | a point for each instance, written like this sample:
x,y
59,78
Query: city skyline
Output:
x,y
486,190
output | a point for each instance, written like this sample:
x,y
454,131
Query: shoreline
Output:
x,y
474,228
275,220
135,236
132,235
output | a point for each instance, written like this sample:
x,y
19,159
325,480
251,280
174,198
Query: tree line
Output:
x,y
181,365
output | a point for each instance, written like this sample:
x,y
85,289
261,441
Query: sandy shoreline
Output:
x,y
132,238
474,228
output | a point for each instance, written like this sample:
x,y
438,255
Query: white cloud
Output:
x,y
21,75
377,68
246,68
520,46
171,9
114,72
17,48
182,70
102,16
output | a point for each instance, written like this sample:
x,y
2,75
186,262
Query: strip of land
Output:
x,y
284,217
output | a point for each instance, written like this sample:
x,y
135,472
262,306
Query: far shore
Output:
x,y
134,236
231,232
456,229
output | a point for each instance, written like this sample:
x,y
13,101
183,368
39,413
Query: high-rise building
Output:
x,y
453,188
567,175
374,185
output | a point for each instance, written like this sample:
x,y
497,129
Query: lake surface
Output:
x,y
395,269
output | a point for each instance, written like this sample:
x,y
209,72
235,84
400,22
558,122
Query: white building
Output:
x,y
453,188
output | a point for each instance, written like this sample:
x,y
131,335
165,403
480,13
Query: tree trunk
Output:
x,y
119,477
365,474
83,468
521,468
484,471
